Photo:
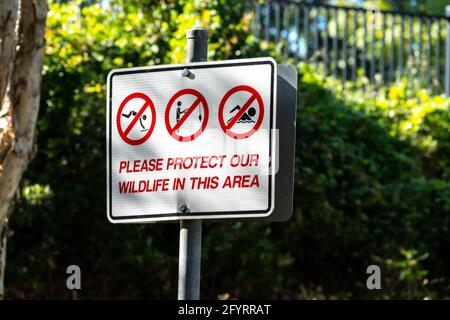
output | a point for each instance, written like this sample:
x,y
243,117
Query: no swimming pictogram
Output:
x,y
241,112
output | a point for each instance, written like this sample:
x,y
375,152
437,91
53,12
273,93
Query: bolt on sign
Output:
x,y
191,141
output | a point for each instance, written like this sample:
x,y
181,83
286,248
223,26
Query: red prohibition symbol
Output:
x,y
227,127
183,115
137,116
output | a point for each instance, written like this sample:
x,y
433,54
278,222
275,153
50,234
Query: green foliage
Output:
x,y
410,275
366,188
228,26
436,7
371,181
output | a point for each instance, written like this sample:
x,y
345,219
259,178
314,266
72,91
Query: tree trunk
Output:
x,y
22,31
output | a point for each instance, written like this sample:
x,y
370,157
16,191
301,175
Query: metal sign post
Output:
x,y
199,141
190,254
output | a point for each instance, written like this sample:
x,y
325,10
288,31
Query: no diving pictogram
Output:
x,y
188,111
136,121
239,117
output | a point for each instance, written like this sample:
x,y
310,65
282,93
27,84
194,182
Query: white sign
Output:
x,y
193,141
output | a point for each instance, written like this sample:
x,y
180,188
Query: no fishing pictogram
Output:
x,y
141,126
239,126
184,116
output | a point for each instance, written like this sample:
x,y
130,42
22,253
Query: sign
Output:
x,y
192,141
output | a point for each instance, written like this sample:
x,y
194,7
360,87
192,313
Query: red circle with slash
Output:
x,y
147,104
200,100
226,127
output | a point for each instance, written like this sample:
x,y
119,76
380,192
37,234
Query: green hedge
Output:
x,y
369,192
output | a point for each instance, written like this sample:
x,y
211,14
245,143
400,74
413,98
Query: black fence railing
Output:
x,y
371,48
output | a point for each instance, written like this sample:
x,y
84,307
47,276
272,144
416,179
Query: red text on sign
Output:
x,y
204,182
141,165
144,186
242,160
245,181
203,162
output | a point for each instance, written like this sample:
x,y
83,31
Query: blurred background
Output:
x,y
372,156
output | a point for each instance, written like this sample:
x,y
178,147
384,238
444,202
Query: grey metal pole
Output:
x,y
190,260
190,254
447,53
196,45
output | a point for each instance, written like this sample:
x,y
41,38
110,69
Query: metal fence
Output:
x,y
370,48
